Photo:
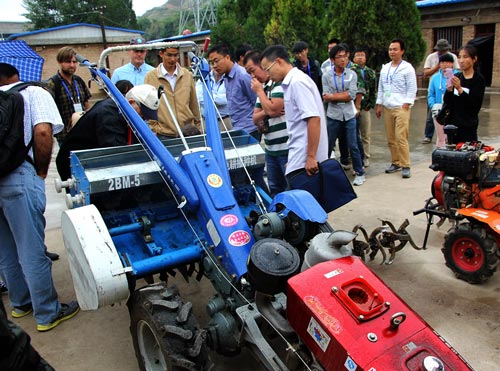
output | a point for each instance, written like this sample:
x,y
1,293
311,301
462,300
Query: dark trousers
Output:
x,y
429,125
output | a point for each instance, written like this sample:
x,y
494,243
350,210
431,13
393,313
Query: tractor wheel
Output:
x,y
470,252
165,333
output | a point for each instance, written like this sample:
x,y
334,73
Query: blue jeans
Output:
x,y
276,173
352,140
23,263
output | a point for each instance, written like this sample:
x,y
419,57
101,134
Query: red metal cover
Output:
x,y
351,320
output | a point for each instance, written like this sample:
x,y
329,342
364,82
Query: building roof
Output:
x,y
428,3
8,28
83,32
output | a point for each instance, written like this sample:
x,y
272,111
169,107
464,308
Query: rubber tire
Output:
x,y
477,238
164,326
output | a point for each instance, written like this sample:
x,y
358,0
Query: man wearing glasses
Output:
x,y
180,90
240,97
304,112
136,70
339,91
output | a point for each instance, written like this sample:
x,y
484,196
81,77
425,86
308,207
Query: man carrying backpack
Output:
x,y
23,263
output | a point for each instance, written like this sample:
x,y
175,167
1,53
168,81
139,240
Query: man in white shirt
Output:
x,y
304,111
397,90
23,263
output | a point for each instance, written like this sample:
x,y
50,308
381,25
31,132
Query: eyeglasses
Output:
x,y
266,70
343,56
213,62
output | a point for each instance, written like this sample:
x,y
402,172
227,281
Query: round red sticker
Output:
x,y
239,238
214,180
228,220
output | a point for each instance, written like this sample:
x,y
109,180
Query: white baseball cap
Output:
x,y
147,97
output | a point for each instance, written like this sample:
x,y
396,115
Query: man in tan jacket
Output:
x,y
180,90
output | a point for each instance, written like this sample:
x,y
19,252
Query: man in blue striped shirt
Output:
x,y
397,90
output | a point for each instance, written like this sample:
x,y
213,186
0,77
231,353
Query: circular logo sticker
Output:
x,y
214,180
239,238
228,220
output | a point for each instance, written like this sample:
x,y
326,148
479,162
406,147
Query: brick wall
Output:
x,y
495,82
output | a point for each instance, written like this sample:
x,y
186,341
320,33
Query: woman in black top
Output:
x,y
465,96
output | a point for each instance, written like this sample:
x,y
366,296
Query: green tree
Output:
x,y
295,20
374,23
50,13
241,22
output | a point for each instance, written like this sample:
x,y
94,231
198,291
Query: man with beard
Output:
x,y
70,92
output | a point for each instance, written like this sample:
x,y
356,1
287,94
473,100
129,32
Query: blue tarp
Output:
x,y
21,56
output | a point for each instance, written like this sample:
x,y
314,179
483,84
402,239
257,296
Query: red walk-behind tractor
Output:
x,y
466,191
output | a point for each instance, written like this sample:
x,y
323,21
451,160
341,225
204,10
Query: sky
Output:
x,y
11,10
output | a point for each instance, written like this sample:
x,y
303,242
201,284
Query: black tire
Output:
x,y
165,333
470,251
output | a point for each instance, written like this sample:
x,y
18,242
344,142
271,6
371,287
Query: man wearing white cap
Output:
x,y
104,126
136,70
431,66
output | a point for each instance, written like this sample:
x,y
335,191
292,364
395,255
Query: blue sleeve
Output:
x,y
431,100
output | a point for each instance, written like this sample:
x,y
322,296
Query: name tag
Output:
x,y
78,107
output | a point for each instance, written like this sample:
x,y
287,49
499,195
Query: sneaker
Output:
x,y
67,311
346,166
426,140
52,255
406,173
366,162
392,169
3,287
22,311
359,180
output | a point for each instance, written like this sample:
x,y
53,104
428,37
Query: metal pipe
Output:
x,y
152,46
123,229
161,91
168,260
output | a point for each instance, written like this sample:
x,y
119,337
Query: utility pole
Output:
x,y
103,31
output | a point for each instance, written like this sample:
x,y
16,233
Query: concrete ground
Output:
x,y
467,316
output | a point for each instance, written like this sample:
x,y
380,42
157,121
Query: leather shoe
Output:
x,y
392,169
52,255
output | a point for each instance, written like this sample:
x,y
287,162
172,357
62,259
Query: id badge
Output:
x,y
78,107
388,93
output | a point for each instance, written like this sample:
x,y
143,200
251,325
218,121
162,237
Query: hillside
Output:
x,y
161,12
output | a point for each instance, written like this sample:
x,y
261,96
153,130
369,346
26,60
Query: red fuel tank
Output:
x,y
350,320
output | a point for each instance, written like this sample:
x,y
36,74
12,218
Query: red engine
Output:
x,y
350,320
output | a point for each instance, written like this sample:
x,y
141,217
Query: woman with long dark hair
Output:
x,y
465,96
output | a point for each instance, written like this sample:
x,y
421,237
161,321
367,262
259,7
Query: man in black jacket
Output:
x,y
104,126
306,64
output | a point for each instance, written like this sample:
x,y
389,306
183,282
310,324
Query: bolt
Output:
x,y
387,304
361,317
335,289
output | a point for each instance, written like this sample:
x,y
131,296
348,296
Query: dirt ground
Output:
x,y
467,316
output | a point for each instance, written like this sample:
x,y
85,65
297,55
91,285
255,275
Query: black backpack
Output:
x,y
13,151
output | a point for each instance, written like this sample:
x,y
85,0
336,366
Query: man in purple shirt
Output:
x,y
240,97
